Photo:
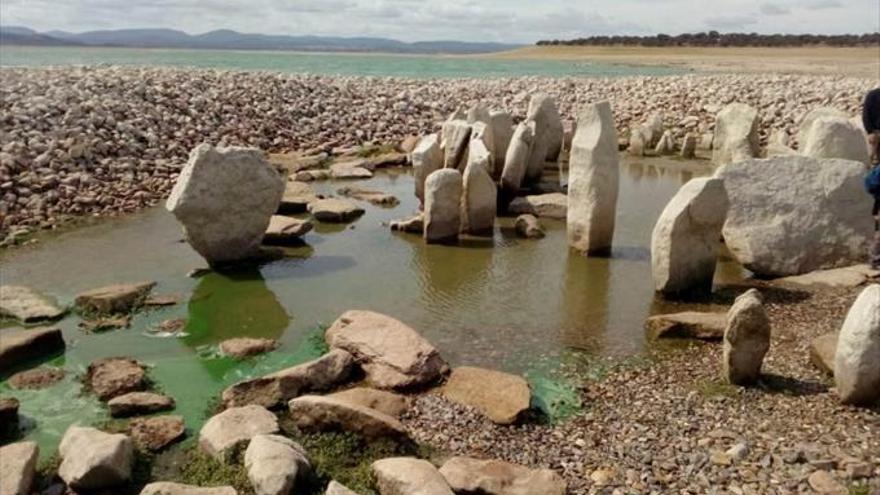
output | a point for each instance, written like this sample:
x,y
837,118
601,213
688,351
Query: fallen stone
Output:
x,y
334,210
27,305
276,465
139,403
594,176
857,359
297,198
688,325
385,160
246,347
736,135
316,413
226,433
392,354
847,277
21,346
777,145
377,198
114,299
285,229
443,192
161,300
491,477
335,488
409,476
92,459
36,379
312,175
167,488
275,389
822,352
746,339
112,377
155,433
528,227
291,163
224,197
414,225
551,205
427,158
501,397
18,467
389,403
350,170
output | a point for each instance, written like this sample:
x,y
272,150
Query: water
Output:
x,y
523,306
426,66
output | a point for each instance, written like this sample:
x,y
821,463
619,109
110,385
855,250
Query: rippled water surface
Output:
x,y
522,306
318,63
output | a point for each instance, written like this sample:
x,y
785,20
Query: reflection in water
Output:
x,y
233,304
585,302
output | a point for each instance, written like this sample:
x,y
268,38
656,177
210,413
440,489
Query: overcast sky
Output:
x,y
472,20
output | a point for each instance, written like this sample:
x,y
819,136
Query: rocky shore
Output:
x,y
100,141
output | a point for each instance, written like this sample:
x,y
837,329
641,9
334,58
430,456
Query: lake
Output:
x,y
360,64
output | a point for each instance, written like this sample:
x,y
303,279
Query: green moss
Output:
x,y
859,490
376,150
712,388
199,469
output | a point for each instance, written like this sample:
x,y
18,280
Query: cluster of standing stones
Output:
x,y
786,215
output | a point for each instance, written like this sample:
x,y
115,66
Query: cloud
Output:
x,y
823,4
768,8
731,21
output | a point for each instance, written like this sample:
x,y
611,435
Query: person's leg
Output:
x,y
875,251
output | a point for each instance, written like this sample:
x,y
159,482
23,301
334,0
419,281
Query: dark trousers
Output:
x,y
875,248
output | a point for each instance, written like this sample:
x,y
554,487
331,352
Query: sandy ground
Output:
x,y
861,62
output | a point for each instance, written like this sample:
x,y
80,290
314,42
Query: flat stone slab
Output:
x,y
156,433
297,197
22,345
286,229
847,277
491,477
316,413
371,196
167,488
412,225
119,298
138,403
112,377
388,403
36,379
27,305
501,397
224,434
350,170
408,475
18,467
552,205
245,347
335,210
822,351
687,325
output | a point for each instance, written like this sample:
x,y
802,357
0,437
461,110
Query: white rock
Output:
x,y
18,465
548,134
794,215
835,137
686,238
456,136
857,360
482,134
637,141
167,488
230,430
666,145
746,339
778,144
516,160
426,158
736,134
27,305
92,459
479,193
224,197
275,464
409,476
594,177
806,124
443,191
502,132
653,129
316,413
336,488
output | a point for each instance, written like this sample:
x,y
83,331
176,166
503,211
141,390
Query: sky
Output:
x,y
516,21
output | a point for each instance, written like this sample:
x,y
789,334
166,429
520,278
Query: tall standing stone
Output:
x,y
638,141
456,136
443,190
516,159
746,339
548,134
225,197
689,146
426,158
479,194
736,134
502,132
686,238
594,178
836,137
653,129
482,133
857,359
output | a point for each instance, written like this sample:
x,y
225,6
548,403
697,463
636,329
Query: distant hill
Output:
x,y
233,40
716,39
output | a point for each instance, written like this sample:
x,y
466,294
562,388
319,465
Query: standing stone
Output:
x,y
18,465
793,215
479,193
689,146
275,464
443,191
746,339
426,158
777,145
653,129
806,123
224,198
594,177
548,135
502,132
707,141
836,137
857,360
736,134
409,476
27,305
481,133
666,145
225,433
92,459
686,238
456,136
516,159
637,141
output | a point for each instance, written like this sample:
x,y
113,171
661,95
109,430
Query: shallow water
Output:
x,y
420,66
519,305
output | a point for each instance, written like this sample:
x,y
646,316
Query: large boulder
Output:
x,y
456,137
275,389
479,194
392,354
388,403
736,134
224,198
836,137
793,215
168,488
27,305
594,177
687,325
316,413
501,397
857,360
18,466
502,132
426,159
22,345
276,465
687,237
550,205
115,376
443,191
746,339
409,476
516,160
226,433
491,477
806,124
92,459
138,403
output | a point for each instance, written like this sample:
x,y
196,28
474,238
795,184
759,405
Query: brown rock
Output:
x,y
112,377
37,378
316,413
138,403
528,227
156,433
386,160
489,477
822,351
335,210
19,346
824,484
8,415
377,198
501,397
27,305
120,298
414,225
389,403
687,325
245,347
297,197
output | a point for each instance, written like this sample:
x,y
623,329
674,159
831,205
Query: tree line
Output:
x,y
716,39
